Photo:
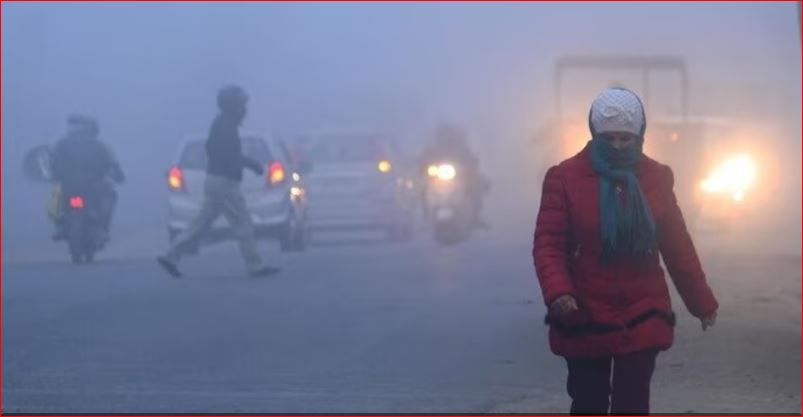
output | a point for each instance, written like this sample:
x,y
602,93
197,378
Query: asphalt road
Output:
x,y
363,326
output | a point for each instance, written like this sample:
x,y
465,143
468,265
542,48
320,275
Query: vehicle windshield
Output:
x,y
194,155
343,148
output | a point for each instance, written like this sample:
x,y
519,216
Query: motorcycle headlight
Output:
x,y
384,166
444,172
733,177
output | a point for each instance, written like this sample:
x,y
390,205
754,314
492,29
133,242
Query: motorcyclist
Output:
x,y
449,144
82,164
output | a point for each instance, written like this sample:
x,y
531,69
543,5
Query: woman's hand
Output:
x,y
708,321
563,305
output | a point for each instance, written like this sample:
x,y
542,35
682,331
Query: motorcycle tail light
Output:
x,y
77,202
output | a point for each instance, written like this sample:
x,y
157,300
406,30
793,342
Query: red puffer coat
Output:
x,y
624,306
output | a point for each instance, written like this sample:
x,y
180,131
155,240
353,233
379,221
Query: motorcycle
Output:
x,y
76,212
82,226
447,204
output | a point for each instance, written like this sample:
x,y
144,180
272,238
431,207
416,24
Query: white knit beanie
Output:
x,y
617,110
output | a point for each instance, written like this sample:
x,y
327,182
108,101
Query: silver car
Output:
x,y
277,200
356,182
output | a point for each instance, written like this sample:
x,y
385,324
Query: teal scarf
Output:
x,y
626,223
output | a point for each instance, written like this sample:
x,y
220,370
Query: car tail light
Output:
x,y
77,202
275,174
175,179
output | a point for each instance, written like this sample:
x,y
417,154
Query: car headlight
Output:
x,y
445,172
296,191
734,177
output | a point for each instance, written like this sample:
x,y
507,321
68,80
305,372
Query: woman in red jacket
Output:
x,y
605,215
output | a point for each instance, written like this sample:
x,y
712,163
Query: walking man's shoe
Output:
x,y
169,266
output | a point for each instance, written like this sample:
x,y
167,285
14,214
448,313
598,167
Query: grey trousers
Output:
x,y
221,196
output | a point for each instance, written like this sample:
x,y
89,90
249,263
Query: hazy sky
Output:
x,y
149,71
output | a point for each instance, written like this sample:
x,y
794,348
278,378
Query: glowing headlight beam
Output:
x,y
443,172
734,176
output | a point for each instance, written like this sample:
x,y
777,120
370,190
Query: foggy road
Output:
x,y
356,326
363,328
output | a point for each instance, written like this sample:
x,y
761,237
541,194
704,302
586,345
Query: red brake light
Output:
x,y
175,178
275,173
77,202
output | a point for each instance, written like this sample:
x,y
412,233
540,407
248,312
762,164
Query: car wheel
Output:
x,y
293,237
302,236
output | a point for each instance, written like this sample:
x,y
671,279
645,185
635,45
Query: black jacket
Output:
x,y
224,150
80,161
